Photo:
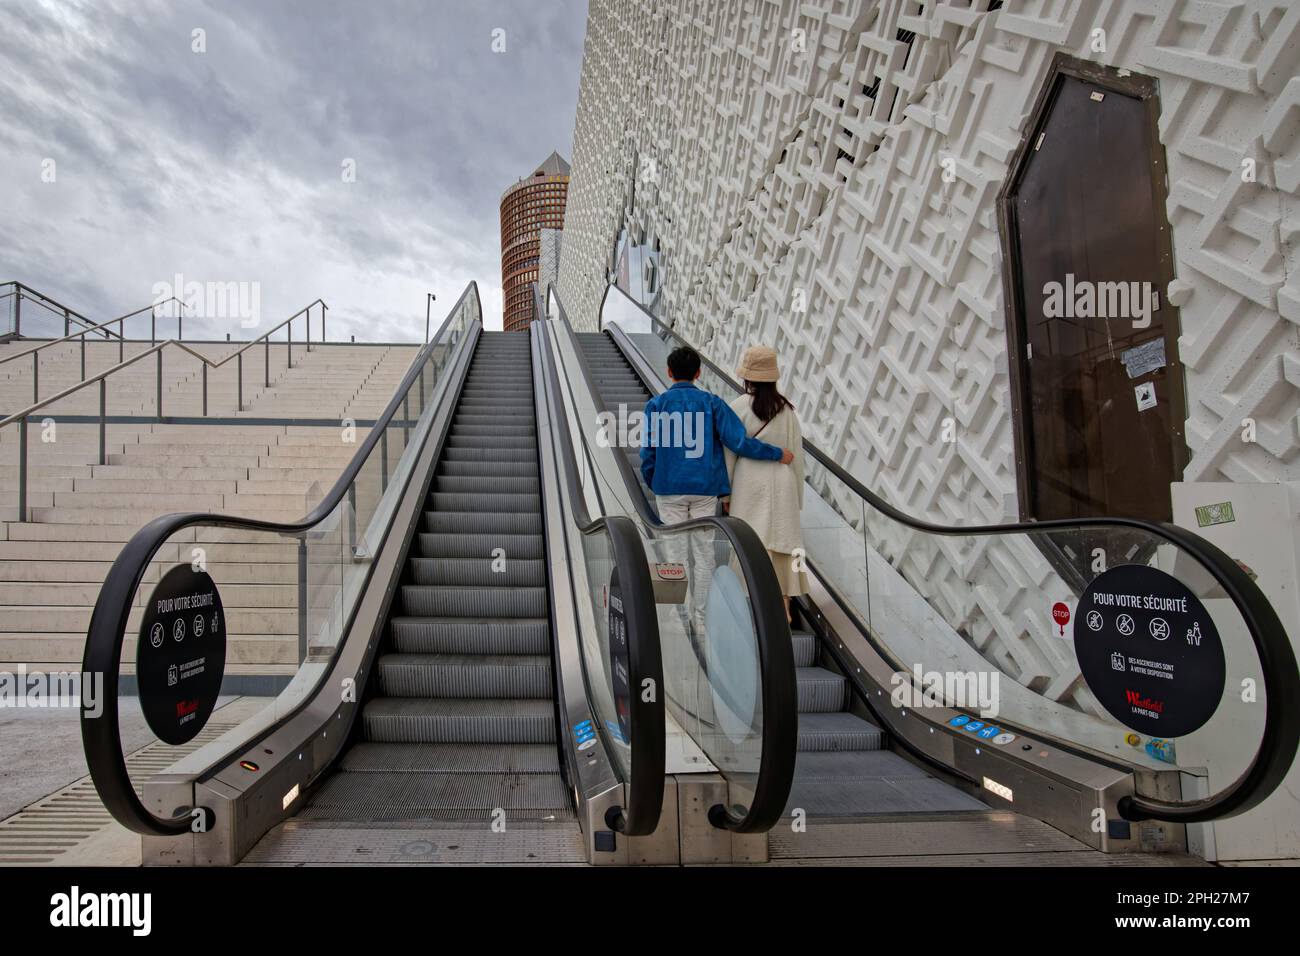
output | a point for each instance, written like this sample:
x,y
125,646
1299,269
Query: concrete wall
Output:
x,y
548,258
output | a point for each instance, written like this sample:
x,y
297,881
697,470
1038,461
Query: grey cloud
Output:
x,y
227,165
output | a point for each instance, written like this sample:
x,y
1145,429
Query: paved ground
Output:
x,y
50,813
40,750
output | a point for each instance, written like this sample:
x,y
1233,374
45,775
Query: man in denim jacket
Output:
x,y
686,429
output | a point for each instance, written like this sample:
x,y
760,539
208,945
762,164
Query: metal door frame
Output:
x,y
1145,89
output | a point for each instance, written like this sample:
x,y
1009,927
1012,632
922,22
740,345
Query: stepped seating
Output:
x,y
80,512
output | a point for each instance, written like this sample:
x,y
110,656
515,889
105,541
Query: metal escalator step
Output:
x,y
805,648
494,441
820,690
465,675
480,572
500,429
500,453
515,546
502,416
484,501
460,635
487,469
420,600
459,721
494,484
858,798
853,765
451,758
839,731
870,782
483,522
481,407
506,398
379,796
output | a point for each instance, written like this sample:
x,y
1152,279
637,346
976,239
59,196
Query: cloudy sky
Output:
x,y
229,164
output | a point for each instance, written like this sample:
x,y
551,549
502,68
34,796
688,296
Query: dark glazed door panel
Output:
x,y
1087,215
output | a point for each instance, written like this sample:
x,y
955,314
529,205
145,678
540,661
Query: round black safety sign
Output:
x,y
1149,651
181,654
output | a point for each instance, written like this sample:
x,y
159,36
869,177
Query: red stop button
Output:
x,y
1061,615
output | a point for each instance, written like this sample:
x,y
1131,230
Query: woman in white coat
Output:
x,y
767,494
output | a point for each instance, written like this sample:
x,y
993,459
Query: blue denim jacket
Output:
x,y
685,431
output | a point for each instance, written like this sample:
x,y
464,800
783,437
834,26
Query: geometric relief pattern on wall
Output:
x,y
822,177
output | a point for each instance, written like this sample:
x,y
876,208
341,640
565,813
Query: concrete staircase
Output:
x,y
80,513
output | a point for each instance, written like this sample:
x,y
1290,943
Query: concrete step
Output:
x,y
162,486
54,618
62,649
175,473
63,594
136,518
120,532
93,572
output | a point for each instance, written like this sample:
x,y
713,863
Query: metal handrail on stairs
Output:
x,y
19,291
121,342
21,418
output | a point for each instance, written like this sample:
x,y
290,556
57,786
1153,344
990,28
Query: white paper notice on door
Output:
x,y
1146,396
1144,358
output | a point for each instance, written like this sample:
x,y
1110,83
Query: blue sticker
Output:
x,y
973,726
990,731
959,720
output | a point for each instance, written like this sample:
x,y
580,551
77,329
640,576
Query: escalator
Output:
x,y
887,764
845,766
496,641
462,686
485,666
461,720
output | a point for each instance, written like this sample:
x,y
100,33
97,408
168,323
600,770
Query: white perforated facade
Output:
x,y
787,159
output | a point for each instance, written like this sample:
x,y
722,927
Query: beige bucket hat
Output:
x,y
758,364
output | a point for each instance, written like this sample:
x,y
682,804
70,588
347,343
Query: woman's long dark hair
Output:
x,y
767,401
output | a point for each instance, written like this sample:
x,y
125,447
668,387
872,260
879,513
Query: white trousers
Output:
x,y
697,556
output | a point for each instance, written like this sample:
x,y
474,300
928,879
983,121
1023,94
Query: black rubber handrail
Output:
x,y
646,724
1281,736
100,735
772,632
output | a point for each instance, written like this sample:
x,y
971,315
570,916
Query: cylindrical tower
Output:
x,y
534,203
